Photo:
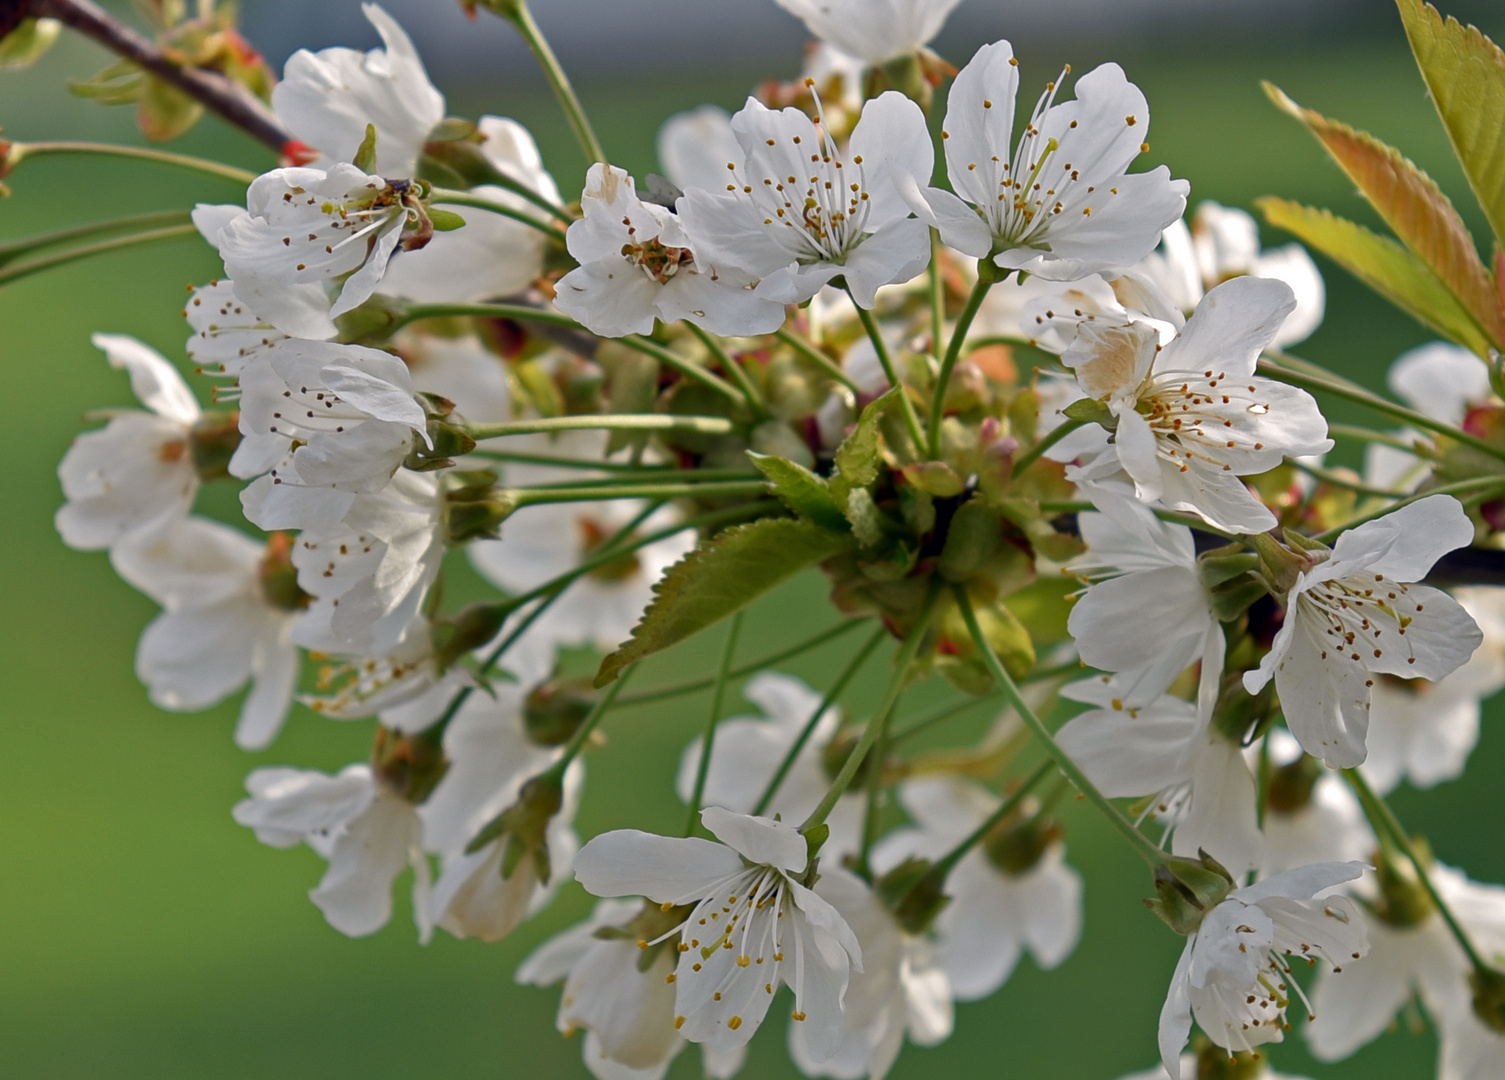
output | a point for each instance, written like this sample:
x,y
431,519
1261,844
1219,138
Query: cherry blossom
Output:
x,y
775,929
1235,974
229,605
1062,204
138,471
873,32
1354,616
1207,419
797,213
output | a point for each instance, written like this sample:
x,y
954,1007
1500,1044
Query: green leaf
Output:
x,y
1413,206
29,40
444,220
1465,73
801,490
720,578
865,517
365,154
1383,265
857,458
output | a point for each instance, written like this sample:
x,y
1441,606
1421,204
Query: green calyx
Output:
x,y
554,711
1403,900
1016,847
1215,1063
212,442
1290,786
914,892
523,826
1187,889
278,576
474,507
655,921
449,439
454,636
1488,985
411,765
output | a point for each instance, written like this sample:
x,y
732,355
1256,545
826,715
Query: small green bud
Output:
x,y
212,442
1187,889
365,154
279,577
554,711
22,46
1403,900
972,537
1015,847
1489,997
411,765
1091,411
455,635
523,826
914,893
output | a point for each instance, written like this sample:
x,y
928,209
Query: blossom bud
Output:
x,y
1403,901
1279,564
1016,846
1290,787
652,924
914,892
279,577
525,825
474,507
554,711
411,765
1215,1063
1187,890
1489,997
455,635
212,443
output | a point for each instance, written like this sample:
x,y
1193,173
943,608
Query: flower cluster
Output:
x,y
640,410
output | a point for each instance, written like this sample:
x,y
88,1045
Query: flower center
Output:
x,y
656,260
1195,419
1356,614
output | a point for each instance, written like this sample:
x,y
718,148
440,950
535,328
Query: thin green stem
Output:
x,y
880,715
1385,438
813,354
1333,479
20,151
1056,434
536,496
464,198
705,425
583,732
1473,490
19,270
1152,854
693,686
1384,820
937,297
653,475
517,13
686,368
708,743
863,867
561,461
500,179
732,368
948,861
911,418
1331,384
953,354
24,245
793,753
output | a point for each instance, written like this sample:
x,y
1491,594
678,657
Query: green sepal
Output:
x,y
1091,411
365,154
914,893
445,220
1187,889
453,636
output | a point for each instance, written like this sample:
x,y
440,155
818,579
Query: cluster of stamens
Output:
x,y
659,261
1191,421
1356,615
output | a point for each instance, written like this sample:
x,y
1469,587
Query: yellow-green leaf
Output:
x,y
1465,73
801,490
1382,264
722,577
1411,203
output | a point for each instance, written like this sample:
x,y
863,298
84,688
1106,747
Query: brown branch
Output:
x,y
230,100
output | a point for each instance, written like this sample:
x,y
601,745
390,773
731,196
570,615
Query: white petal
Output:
x,y
759,839
665,869
154,381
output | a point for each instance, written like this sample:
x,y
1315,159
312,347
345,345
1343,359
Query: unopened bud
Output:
x,y
23,42
1280,565
1187,889
410,765
1403,900
212,442
474,507
1016,847
279,577
455,635
1291,786
554,711
1489,997
914,892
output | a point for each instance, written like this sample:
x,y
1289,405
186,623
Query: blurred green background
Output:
x,y
144,934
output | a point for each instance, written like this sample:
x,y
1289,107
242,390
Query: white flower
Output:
x,y
748,751
1224,243
637,264
1235,974
1207,419
873,31
327,98
1326,822
797,213
492,255
138,472
541,542
1145,577
370,572
227,335
753,926
994,914
1438,380
461,370
1424,732
1061,205
311,245
694,147
228,615
1354,617
341,416
403,684
627,1012
1202,786
367,832
901,990
1189,1066
1422,959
